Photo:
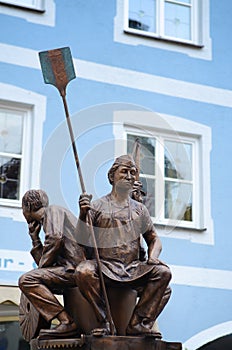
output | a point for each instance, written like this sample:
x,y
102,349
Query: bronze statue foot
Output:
x,y
154,334
141,331
63,330
100,332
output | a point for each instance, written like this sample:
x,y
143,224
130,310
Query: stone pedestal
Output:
x,y
106,343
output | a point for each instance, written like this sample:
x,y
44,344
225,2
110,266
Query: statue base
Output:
x,y
105,343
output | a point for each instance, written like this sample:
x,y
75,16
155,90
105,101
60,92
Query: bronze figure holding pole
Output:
x,y
112,227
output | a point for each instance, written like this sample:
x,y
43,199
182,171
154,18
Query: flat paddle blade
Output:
x,y
57,67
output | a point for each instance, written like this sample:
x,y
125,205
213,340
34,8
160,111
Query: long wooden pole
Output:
x,y
89,220
57,68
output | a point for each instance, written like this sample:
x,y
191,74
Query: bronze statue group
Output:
x,y
66,258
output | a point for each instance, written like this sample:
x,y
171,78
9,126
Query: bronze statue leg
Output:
x,y
153,298
38,284
164,300
89,285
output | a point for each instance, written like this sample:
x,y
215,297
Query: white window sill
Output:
x,y
15,213
194,235
23,7
164,39
10,203
44,15
182,227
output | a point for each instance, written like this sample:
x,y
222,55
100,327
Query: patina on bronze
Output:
x,y
118,222
58,70
112,226
56,259
105,343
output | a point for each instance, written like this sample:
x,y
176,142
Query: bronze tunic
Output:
x,y
117,230
60,247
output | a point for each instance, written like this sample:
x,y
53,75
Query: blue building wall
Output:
x,y
87,27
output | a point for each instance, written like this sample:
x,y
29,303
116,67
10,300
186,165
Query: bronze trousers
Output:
x,y
40,285
153,291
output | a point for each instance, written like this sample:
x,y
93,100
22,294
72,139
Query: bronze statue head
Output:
x,y
33,200
125,160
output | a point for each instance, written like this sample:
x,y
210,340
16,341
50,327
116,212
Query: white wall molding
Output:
x,y
125,77
17,260
201,277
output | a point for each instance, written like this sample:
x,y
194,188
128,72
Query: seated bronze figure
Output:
x,y
57,259
118,222
137,288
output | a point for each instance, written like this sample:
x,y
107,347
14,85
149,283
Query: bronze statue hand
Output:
x,y
34,229
84,204
153,261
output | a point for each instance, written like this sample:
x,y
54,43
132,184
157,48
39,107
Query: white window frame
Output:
x,y
33,107
145,123
200,47
37,5
159,176
195,23
23,156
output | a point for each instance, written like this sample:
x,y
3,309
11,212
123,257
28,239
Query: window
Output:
x,y
22,114
174,170
30,4
11,153
166,171
164,24
168,19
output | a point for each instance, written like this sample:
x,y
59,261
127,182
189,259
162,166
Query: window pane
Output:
x,y
9,177
178,201
10,132
178,160
149,189
147,153
178,21
142,15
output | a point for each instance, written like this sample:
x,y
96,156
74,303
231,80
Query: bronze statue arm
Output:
x,y
84,205
154,247
37,249
83,232
51,249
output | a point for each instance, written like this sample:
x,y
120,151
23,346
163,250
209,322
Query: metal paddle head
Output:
x,y
57,68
